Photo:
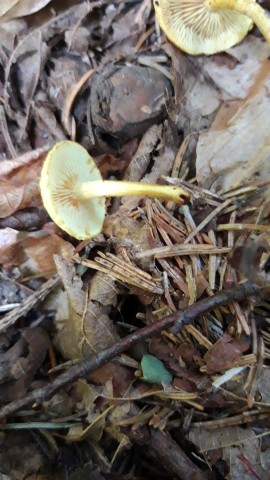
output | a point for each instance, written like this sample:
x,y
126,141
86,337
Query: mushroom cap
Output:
x,y
67,165
194,28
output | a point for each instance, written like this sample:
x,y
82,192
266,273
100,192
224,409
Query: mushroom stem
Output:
x,y
99,188
249,8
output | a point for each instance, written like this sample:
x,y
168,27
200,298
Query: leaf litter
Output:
x,y
102,74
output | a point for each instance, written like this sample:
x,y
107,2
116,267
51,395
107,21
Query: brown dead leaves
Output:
x,y
19,187
88,328
20,362
19,190
32,252
153,258
225,354
11,9
236,147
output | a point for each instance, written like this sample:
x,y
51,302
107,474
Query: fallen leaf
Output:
x,y
235,82
239,151
10,9
220,438
39,249
89,328
19,186
244,461
224,354
7,5
27,219
184,385
88,470
19,90
33,252
20,362
18,447
263,383
8,242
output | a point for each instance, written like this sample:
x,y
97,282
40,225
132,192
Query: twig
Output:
x,y
10,318
183,249
72,94
208,219
243,226
225,297
177,320
171,456
5,131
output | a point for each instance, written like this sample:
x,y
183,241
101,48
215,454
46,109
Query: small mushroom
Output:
x,y
73,191
210,26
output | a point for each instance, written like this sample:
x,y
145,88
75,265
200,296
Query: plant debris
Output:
x,y
145,348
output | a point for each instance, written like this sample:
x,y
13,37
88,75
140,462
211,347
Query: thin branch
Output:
x,y
10,318
177,320
170,454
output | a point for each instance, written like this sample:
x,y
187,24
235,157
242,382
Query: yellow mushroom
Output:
x,y
73,191
210,26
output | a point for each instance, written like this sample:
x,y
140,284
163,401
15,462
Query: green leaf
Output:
x,y
154,370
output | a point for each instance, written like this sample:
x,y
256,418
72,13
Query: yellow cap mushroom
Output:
x,y
209,26
73,191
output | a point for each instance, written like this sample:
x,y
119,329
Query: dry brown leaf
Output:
x,y
118,414
10,31
6,5
245,459
88,328
224,354
134,235
141,168
207,440
238,447
120,377
28,57
86,395
32,252
248,57
19,363
10,9
263,384
28,219
19,186
39,249
103,290
184,385
92,432
8,242
196,99
239,150
18,447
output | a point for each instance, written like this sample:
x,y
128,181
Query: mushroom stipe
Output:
x,y
74,193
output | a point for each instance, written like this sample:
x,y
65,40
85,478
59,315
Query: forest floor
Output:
x,y
144,351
